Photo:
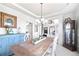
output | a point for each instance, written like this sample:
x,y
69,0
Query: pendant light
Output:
x,y
42,19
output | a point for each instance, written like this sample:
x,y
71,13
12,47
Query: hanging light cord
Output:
x,y
41,18
41,10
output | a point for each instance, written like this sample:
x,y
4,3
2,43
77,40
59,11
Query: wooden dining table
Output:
x,y
27,48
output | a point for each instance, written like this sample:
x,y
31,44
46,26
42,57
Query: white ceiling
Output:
x,y
49,9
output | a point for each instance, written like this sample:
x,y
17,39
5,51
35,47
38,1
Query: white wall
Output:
x,y
60,24
22,19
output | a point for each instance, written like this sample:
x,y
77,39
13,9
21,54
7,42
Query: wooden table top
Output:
x,y
29,49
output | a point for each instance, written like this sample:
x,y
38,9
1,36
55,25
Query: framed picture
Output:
x,y
9,20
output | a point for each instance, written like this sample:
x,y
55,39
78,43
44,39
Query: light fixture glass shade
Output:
x,y
50,22
56,21
42,19
38,21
